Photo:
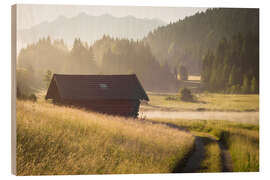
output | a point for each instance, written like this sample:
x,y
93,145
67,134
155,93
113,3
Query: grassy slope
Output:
x,y
212,102
61,140
242,141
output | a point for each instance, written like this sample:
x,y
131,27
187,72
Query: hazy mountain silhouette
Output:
x,y
89,28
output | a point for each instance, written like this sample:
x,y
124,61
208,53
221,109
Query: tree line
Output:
x,y
234,66
186,41
106,56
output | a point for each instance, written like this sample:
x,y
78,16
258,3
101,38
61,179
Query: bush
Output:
x,y
24,96
172,98
33,97
186,95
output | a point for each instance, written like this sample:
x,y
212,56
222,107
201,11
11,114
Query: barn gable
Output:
x,y
111,94
94,87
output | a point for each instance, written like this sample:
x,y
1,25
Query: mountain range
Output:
x,y
89,28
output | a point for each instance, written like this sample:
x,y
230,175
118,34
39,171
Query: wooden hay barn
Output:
x,y
110,94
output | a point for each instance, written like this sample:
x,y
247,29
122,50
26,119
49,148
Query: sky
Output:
x,y
30,15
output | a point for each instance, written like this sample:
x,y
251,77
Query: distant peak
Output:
x,y
82,14
130,16
61,17
106,15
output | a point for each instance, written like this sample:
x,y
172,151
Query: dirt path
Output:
x,y
193,162
227,165
195,158
244,117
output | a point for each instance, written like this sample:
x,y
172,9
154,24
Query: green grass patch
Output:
x,y
242,140
208,101
212,161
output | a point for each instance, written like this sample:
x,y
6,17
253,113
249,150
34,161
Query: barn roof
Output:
x,y
90,87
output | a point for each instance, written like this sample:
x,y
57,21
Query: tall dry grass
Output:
x,y
62,140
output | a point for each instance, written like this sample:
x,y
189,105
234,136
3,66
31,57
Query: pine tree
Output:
x,y
206,67
254,86
245,86
232,77
175,73
47,78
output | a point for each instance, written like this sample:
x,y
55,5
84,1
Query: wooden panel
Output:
x,y
116,107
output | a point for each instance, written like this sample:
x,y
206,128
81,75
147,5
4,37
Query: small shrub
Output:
x,y
33,97
200,109
25,96
172,98
186,95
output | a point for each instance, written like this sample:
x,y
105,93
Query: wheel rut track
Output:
x,y
226,159
193,162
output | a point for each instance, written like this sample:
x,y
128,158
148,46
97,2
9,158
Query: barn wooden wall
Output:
x,y
115,107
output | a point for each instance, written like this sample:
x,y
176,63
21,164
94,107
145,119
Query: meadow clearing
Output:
x,y
221,121
204,102
55,139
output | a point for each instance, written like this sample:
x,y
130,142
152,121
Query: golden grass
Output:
x,y
62,140
209,101
245,153
241,139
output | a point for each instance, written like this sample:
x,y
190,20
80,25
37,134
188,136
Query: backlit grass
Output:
x,y
212,161
62,140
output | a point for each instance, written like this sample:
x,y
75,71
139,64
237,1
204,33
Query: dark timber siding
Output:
x,y
110,94
114,107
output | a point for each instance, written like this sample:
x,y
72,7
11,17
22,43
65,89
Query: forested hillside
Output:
x,y
121,56
106,56
233,67
185,42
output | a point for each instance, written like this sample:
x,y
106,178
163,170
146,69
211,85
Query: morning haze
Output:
x,y
121,90
30,15
90,23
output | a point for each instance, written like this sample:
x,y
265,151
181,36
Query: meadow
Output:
x,y
55,139
205,101
61,140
